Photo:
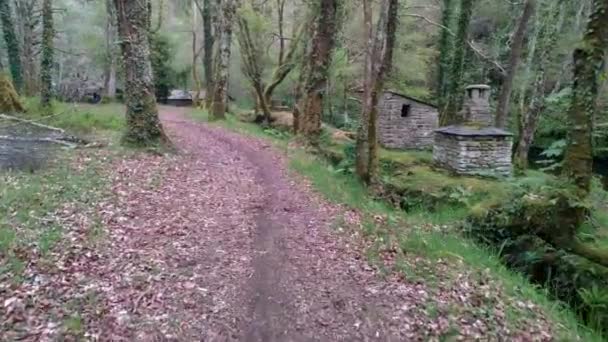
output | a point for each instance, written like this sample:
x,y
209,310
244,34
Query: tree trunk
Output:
x,y
46,61
362,143
208,51
502,109
319,60
529,117
110,67
12,44
449,114
28,24
589,59
143,124
380,64
251,58
220,96
445,42
280,11
195,77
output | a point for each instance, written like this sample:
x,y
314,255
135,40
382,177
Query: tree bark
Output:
x,y
46,61
589,59
280,12
502,109
195,53
220,95
380,65
208,51
319,60
28,24
110,67
12,45
445,42
362,142
143,124
251,58
449,115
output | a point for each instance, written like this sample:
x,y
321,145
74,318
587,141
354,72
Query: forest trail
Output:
x,y
246,252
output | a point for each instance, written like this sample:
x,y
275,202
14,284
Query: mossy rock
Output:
x,y
9,99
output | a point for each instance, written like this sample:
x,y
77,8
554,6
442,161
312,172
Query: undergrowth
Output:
x,y
429,234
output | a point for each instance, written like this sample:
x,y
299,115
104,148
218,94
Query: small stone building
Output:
x,y
405,122
475,147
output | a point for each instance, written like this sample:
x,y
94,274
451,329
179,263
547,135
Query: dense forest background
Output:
x,y
89,53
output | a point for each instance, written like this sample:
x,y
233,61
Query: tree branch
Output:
x,y
469,43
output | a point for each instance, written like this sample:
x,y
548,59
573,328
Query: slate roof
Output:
x,y
473,131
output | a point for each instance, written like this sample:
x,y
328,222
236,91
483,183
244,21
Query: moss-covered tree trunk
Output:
x,y
362,142
589,59
445,49
143,124
449,114
47,51
380,64
29,23
12,44
319,60
220,94
504,97
208,51
252,52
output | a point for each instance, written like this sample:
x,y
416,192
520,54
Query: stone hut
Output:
x,y
405,122
475,147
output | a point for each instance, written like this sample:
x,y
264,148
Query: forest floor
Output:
x,y
221,241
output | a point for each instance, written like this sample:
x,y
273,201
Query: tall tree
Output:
x,y
12,44
362,146
544,43
504,97
28,22
205,10
589,60
380,64
445,51
252,30
46,61
220,94
143,124
287,62
319,59
110,66
449,114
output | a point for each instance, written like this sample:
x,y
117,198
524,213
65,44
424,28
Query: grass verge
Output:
x,y
79,118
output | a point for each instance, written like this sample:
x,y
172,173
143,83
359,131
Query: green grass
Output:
x,y
29,201
427,234
78,118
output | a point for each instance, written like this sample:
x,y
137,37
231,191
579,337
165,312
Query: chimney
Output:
x,y
476,107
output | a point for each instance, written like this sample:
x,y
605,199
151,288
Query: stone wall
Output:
x,y
474,155
414,131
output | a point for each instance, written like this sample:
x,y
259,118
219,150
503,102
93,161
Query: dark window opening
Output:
x,y
405,110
